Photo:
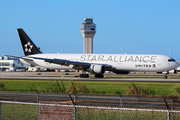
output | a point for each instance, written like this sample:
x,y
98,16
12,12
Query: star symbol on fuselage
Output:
x,y
28,47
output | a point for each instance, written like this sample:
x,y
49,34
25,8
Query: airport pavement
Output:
x,y
74,76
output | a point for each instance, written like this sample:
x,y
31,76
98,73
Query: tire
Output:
x,y
86,75
99,76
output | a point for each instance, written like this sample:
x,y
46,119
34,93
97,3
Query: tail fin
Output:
x,y
28,46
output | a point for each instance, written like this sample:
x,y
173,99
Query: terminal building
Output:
x,y
9,64
88,30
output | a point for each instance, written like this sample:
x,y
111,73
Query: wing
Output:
x,y
76,65
27,59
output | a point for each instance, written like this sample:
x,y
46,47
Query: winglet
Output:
x,y
27,44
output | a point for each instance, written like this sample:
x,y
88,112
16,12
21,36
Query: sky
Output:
x,y
122,26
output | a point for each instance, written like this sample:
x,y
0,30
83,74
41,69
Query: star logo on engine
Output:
x,y
28,47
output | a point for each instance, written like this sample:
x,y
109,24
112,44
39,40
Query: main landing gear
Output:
x,y
99,76
84,75
87,76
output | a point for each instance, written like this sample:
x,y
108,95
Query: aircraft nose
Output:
x,y
177,64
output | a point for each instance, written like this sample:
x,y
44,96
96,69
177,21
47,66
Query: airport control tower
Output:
x,y
88,29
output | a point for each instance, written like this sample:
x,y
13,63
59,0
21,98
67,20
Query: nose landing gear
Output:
x,y
165,76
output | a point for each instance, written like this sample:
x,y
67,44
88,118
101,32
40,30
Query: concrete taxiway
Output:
x,y
74,76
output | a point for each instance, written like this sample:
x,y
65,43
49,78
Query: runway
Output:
x,y
74,76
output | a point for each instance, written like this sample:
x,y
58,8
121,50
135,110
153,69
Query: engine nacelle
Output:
x,y
96,69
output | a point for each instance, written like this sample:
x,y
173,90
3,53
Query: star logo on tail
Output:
x,y
28,47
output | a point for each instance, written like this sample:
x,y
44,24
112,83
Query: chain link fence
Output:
x,y
66,111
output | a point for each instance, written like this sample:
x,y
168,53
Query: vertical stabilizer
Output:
x,y
28,46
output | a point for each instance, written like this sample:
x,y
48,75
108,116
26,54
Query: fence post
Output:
x,y
74,107
168,115
0,110
172,109
121,105
74,103
37,106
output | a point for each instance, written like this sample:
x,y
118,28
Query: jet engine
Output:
x,y
96,69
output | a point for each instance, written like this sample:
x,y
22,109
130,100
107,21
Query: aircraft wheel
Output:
x,y
99,76
102,76
84,75
165,77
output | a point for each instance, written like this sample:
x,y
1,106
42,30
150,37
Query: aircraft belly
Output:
x,y
52,65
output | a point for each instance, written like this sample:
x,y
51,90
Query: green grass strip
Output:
x,y
94,87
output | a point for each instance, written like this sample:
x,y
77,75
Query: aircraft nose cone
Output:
x,y
177,64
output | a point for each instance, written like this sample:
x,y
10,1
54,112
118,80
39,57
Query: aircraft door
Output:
x,y
158,62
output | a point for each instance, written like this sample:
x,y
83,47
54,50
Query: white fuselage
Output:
x,y
124,62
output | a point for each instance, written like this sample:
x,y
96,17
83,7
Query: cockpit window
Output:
x,y
171,60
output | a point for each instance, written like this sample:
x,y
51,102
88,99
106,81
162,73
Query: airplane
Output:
x,y
94,63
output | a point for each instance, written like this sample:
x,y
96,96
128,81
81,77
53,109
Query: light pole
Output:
x,y
169,52
122,50
18,52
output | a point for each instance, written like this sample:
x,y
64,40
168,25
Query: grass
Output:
x,y
103,114
90,87
18,112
